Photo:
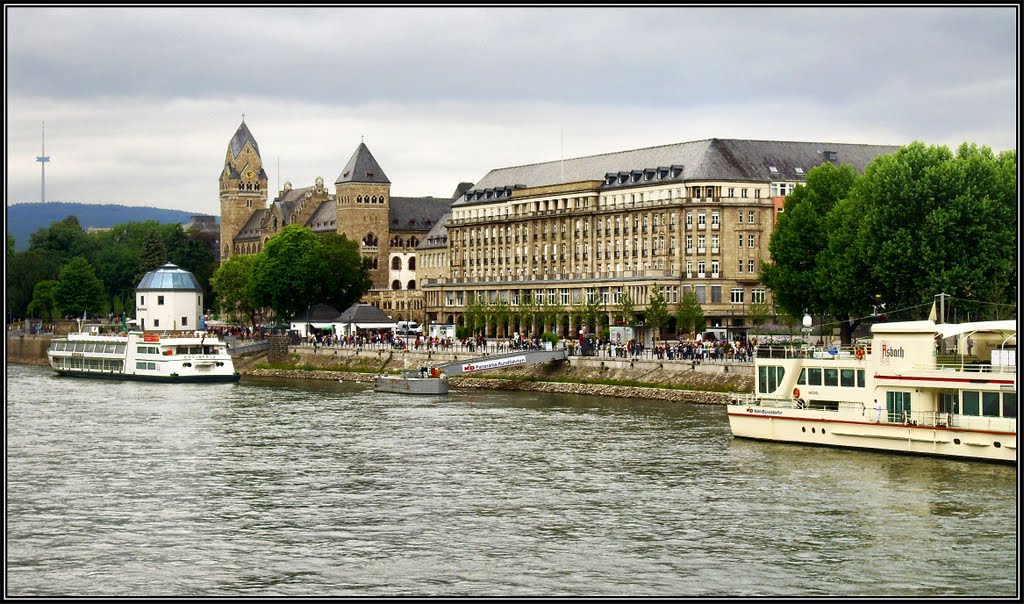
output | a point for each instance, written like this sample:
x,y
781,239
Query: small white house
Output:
x,y
169,299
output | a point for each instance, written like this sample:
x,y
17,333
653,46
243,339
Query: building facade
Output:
x,y
387,229
169,299
600,230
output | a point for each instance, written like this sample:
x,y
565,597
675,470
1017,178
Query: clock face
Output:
x,y
249,174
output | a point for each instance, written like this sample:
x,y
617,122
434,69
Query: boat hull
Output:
x,y
186,379
815,427
403,385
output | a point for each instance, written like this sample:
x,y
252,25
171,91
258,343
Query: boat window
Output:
x,y
846,378
119,348
898,406
949,402
803,375
814,376
860,379
769,377
90,346
1009,404
990,404
831,377
79,346
971,402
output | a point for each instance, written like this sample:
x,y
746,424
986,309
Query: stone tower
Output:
x,y
243,187
363,193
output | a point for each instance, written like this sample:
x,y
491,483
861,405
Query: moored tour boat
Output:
x,y
417,382
148,356
896,392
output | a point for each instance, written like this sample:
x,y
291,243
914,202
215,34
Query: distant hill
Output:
x,y
23,219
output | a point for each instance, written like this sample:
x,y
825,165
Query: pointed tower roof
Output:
x,y
362,167
242,136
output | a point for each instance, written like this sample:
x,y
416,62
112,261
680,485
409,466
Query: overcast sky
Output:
x,y
140,103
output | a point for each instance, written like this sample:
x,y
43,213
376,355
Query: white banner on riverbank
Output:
x,y
495,364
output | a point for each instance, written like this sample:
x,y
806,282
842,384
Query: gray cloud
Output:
x,y
140,102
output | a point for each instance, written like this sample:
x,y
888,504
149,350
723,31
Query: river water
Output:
x,y
274,487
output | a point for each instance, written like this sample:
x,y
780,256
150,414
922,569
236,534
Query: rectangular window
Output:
x,y
750,266
736,295
757,193
898,406
156,322
831,377
159,300
716,294
860,378
142,300
846,377
971,406
701,292
743,192
1009,404
814,376
990,404
751,217
757,295
184,321
750,241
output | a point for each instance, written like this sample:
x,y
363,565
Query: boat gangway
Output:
x,y
499,361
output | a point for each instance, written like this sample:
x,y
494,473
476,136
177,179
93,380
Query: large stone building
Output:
x,y
689,216
361,207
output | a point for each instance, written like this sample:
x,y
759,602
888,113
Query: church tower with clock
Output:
x,y
243,187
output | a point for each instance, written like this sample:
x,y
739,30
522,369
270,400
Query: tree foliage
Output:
x,y
657,313
690,314
79,290
232,285
918,222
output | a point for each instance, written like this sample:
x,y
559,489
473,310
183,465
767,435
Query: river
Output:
x,y
274,487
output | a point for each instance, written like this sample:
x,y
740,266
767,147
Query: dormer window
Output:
x,y
799,170
773,170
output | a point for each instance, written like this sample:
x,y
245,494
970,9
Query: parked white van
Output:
x,y
407,328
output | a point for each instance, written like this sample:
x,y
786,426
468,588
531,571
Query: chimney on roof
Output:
x,y
831,155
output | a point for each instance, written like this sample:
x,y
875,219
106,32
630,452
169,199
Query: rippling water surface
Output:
x,y
276,487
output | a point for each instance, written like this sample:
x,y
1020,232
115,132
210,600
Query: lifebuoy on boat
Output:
x,y
796,393
859,354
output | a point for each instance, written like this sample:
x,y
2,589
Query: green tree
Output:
x,y
690,315
657,314
65,237
527,311
474,315
43,304
759,313
153,255
24,271
232,285
345,280
592,311
937,222
625,310
79,290
500,312
800,236
287,276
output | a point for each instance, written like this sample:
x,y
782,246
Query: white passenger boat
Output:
x,y
899,392
148,356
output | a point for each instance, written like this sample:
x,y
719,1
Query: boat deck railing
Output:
x,y
782,351
927,419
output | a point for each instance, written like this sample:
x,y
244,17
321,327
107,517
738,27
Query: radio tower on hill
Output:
x,y
42,159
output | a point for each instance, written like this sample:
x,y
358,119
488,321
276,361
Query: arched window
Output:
x,y
412,284
396,241
375,266
396,264
413,242
396,285
412,264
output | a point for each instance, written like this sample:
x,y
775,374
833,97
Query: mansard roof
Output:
x,y
251,230
242,136
362,167
712,160
417,213
438,236
324,219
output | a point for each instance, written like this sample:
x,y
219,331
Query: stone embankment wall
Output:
x,y
651,379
